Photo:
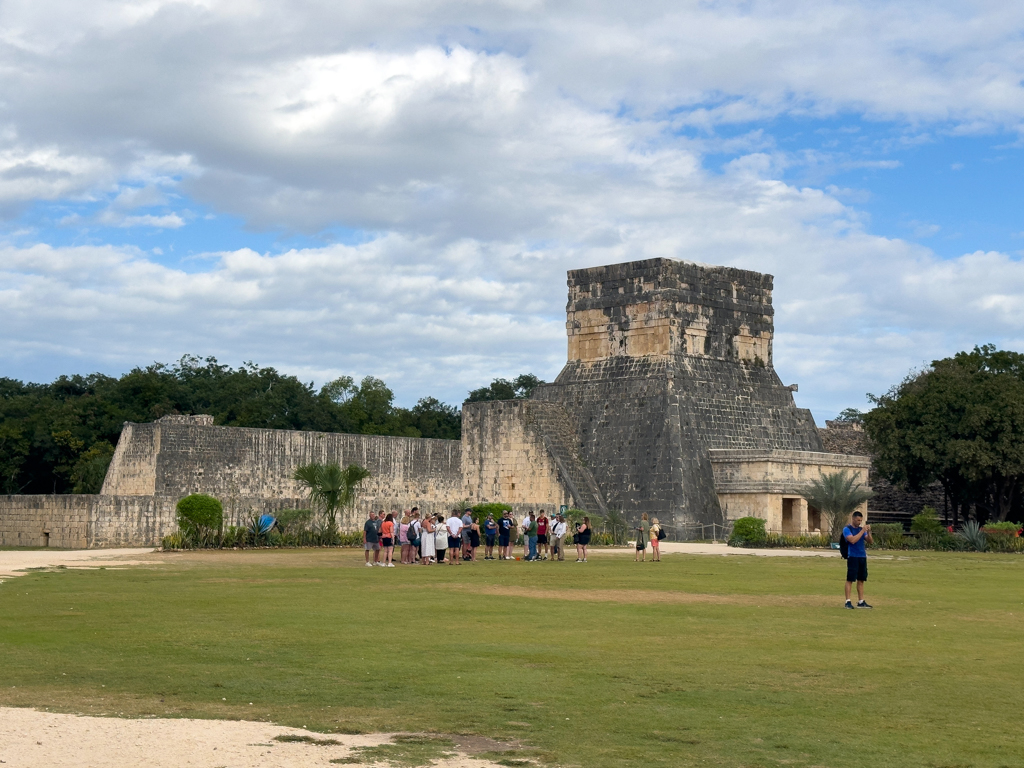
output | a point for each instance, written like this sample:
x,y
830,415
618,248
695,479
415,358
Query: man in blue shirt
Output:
x,y
857,560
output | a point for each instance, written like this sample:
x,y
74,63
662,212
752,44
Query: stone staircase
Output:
x,y
554,426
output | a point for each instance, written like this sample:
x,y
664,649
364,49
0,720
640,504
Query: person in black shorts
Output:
x,y
490,534
857,539
543,527
504,536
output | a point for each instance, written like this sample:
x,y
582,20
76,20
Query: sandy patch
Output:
x,y
685,548
33,739
17,562
641,596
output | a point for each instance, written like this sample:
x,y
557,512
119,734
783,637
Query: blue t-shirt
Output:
x,y
491,528
858,549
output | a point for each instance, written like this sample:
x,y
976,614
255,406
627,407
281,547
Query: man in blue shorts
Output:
x,y
857,560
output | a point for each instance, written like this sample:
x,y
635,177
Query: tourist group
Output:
x,y
428,539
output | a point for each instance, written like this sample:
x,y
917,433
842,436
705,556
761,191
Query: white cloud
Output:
x,y
485,148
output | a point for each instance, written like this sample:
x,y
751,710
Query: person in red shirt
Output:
x,y
387,540
542,535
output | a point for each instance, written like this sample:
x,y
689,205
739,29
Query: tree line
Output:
x,y
60,437
960,423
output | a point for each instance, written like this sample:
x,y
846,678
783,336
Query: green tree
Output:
x,y
960,422
52,436
519,388
331,489
90,470
836,495
851,415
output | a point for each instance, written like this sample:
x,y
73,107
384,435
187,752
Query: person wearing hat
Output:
x,y
857,538
490,534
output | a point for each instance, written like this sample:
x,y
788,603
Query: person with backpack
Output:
x,y
643,533
657,534
856,538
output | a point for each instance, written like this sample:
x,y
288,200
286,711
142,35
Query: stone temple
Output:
x,y
668,404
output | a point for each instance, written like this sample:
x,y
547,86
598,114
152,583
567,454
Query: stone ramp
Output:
x,y
560,439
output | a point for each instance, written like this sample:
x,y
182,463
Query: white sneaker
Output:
x,y
391,565
369,565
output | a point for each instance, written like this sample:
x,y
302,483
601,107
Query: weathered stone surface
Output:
x,y
524,453
669,365
669,360
176,456
890,504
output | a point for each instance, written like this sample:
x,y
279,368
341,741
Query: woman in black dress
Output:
x,y
474,539
582,540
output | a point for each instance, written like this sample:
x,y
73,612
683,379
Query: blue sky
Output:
x,y
396,189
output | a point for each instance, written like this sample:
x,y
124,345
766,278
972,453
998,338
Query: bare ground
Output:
x,y
33,739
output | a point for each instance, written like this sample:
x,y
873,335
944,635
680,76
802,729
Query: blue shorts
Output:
x,y
503,541
857,569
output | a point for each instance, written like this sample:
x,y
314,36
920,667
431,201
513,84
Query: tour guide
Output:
x,y
857,561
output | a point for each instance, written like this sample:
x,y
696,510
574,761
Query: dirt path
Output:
x,y
685,548
33,739
16,562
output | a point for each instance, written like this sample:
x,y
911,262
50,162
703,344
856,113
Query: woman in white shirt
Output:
x,y
427,552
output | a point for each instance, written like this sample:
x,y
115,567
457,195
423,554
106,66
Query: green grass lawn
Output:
x,y
698,660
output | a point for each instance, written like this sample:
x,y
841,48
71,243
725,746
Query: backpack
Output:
x,y
413,534
844,546
661,533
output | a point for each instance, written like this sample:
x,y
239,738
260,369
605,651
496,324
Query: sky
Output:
x,y
397,189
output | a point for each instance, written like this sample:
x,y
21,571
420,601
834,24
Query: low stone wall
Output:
x,y
79,521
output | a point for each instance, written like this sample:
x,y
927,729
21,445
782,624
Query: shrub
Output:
x,y
888,536
292,520
495,508
787,541
942,540
1002,537
927,521
200,511
748,531
174,541
972,536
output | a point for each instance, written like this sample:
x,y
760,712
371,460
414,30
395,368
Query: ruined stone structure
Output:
x,y
667,400
668,404
889,504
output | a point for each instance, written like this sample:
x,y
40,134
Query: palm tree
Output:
x,y
330,487
836,495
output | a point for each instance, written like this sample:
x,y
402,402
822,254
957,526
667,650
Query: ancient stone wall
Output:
x,y
80,521
668,360
668,307
505,456
849,438
768,484
187,455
